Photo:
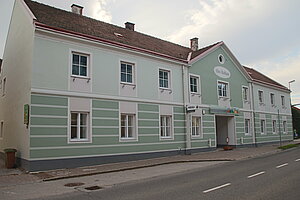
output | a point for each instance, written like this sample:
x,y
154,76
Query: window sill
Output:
x,y
79,141
195,94
127,84
197,137
262,104
166,138
165,89
74,77
128,140
224,98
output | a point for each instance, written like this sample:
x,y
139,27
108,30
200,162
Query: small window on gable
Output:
x,y
127,72
245,93
261,96
282,101
223,89
194,84
79,65
272,98
221,59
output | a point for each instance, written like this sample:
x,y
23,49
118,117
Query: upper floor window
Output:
x,y
272,98
79,126
164,78
196,127
282,101
260,96
194,84
79,65
222,89
1,129
247,126
128,126
127,72
165,126
245,94
4,86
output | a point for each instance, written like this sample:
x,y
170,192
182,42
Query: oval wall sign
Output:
x,y
222,72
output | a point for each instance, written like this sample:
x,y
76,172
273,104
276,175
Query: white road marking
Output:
x,y
279,166
257,174
218,187
297,160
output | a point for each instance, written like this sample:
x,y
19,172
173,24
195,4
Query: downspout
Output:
x,y
187,115
253,114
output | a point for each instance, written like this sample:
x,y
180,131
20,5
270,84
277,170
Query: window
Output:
x,y
247,127
222,89
164,79
165,126
127,126
4,87
274,128
284,127
245,93
194,82
127,72
79,126
262,126
196,125
272,98
221,59
1,129
79,65
282,101
261,96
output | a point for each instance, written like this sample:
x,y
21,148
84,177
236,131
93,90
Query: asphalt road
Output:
x,y
272,177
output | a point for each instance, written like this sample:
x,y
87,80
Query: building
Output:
x,y
85,92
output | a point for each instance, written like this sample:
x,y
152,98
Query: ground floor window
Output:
x,y
247,127
284,127
196,127
79,126
1,129
165,126
128,126
262,126
274,129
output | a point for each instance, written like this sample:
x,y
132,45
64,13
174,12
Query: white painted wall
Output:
x,y
17,62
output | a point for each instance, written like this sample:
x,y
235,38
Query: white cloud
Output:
x,y
100,12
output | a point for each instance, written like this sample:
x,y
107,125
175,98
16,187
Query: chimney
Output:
x,y
77,9
194,44
129,25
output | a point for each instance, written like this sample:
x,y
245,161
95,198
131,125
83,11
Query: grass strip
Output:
x,y
288,146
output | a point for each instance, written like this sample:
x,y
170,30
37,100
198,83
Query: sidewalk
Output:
x,y
15,176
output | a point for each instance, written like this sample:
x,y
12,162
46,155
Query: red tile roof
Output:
x,y
261,78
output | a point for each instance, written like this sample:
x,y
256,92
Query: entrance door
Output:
x,y
225,128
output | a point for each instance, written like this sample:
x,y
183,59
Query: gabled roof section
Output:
x,y
203,50
261,78
63,20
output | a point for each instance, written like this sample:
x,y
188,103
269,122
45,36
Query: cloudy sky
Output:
x,y
264,35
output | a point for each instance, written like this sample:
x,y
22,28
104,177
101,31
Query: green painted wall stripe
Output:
x,y
105,122
105,104
49,100
148,115
208,130
178,110
48,131
208,118
146,131
148,123
179,130
179,123
105,113
35,110
48,121
208,124
179,117
148,107
105,131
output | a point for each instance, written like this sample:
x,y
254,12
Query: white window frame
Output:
x,y
163,127
87,64
223,59
1,129
282,101
133,74
272,100
133,126
284,126
197,82
199,133
245,93
247,125
88,135
263,126
227,89
274,128
261,99
169,78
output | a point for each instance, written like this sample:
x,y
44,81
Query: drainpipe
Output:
x,y
253,114
187,115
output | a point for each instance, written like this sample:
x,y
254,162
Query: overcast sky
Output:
x,y
262,34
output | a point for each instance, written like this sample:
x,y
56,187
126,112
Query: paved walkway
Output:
x,y
16,176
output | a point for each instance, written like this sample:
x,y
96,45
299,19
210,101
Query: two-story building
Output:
x,y
76,91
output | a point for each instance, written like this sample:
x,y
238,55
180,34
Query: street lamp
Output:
x,y
292,81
